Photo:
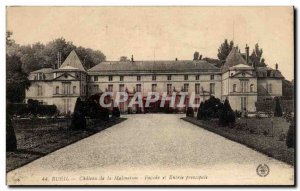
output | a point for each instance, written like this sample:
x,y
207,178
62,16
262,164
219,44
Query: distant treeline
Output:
x,y
38,55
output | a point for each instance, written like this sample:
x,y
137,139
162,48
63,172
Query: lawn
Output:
x,y
256,133
39,137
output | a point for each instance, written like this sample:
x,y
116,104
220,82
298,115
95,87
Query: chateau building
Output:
x,y
238,80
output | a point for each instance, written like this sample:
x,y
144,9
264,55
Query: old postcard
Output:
x,y
150,96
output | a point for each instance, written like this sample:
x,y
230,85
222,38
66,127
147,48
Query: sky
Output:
x,y
161,33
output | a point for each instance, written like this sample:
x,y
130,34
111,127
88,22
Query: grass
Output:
x,y
40,137
256,134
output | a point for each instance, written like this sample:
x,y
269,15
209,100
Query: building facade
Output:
x,y
238,81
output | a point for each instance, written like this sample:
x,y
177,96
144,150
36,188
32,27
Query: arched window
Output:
x,y
252,88
57,90
234,88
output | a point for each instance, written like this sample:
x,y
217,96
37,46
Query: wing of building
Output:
x,y
237,80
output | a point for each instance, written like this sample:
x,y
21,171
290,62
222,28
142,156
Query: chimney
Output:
x,y
247,54
276,66
132,58
176,59
200,57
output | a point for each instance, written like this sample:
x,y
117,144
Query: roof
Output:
x,y
68,68
242,66
267,72
154,66
234,58
73,61
45,72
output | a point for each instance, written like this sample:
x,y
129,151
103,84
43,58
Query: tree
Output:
x,y
78,119
226,114
38,55
224,50
11,140
278,110
290,140
124,59
196,56
256,57
16,79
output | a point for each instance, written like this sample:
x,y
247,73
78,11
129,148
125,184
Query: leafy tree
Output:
x,y
278,109
256,56
16,79
213,61
90,57
124,58
224,50
226,114
9,40
196,56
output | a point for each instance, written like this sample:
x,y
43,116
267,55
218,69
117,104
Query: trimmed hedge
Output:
x,y
34,109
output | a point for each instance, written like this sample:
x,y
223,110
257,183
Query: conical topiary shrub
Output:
x,y
78,118
116,112
226,114
290,140
278,110
11,140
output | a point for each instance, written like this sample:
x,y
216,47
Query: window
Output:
x,y
234,88
96,88
74,89
57,90
212,77
244,86
269,88
138,78
154,86
169,77
138,88
95,78
110,78
154,77
243,103
269,73
41,76
197,77
185,87
186,77
169,89
212,88
39,90
121,78
66,88
121,88
197,88
252,88
110,88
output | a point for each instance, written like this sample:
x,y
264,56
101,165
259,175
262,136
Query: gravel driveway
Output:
x,y
153,149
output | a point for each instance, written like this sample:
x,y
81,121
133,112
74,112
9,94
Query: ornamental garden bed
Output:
x,y
255,133
38,137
